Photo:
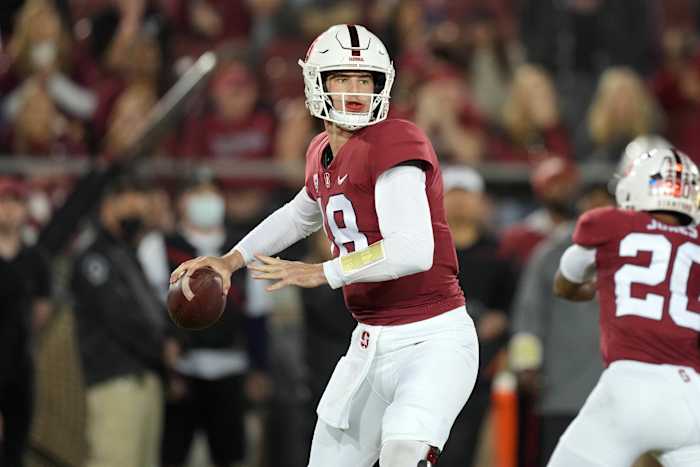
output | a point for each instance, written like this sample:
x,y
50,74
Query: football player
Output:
x,y
643,261
374,185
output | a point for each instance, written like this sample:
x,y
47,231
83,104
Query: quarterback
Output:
x,y
643,259
374,185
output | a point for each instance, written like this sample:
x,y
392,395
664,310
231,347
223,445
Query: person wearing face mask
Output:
x,y
221,367
41,53
121,334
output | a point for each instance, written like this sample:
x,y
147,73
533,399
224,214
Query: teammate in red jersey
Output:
x,y
375,186
643,259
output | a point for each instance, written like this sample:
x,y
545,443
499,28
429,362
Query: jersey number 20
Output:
x,y
652,305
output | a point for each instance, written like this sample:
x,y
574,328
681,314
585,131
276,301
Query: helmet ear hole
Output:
x,y
324,78
379,81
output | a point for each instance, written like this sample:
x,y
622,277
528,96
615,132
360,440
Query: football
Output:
x,y
205,307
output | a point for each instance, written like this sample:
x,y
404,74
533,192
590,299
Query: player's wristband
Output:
x,y
340,271
357,261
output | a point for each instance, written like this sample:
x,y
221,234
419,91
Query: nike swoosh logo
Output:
x,y
341,180
323,51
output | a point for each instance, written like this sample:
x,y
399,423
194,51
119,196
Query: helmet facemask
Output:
x,y
320,101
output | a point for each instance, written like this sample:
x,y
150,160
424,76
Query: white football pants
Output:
x,y
635,408
411,387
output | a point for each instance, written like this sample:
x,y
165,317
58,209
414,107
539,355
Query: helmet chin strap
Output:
x,y
349,121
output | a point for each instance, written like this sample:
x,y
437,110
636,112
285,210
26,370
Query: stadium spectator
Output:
x,y
280,70
41,53
24,292
129,44
152,252
553,349
494,52
202,25
40,129
295,129
489,280
444,111
577,40
235,127
42,107
121,334
554,183
131,40
128,119
622,109
531,127
219,366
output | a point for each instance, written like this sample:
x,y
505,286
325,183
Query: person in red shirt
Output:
x,y
375,186
531,128
235,128
643,261
555,183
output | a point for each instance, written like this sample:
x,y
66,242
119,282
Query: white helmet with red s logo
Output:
x,y
661,180
347,47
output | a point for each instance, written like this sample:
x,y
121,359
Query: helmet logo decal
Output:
x,y
354,40
355,47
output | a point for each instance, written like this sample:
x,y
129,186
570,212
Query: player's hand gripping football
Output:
x,y
224,266
288,272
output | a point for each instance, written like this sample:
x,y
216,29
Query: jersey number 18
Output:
x,y
347,232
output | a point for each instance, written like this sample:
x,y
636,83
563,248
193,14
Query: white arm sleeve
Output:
x,y
577,264
297,219
406,227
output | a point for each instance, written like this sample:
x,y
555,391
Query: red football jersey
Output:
x,y
345,193
648,277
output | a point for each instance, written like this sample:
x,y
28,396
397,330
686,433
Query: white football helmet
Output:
x,y
347,47
636,148
661,180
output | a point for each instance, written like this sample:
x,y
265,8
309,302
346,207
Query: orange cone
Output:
x,y
504,410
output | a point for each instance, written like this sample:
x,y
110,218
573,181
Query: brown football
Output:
x,y
205,307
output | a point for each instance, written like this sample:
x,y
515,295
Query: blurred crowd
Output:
x,y
548,86
503,82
